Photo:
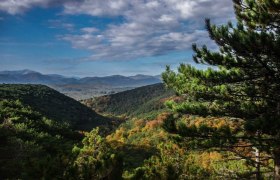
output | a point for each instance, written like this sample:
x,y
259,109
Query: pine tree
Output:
x,y
245,82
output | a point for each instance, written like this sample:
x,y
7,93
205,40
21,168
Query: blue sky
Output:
x,y
104,37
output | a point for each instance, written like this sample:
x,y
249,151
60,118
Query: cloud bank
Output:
x,y
148,27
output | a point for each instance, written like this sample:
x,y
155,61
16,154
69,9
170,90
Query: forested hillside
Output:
x,y
52,104
136,102
32,145
140,148
150,150
39,127
217,123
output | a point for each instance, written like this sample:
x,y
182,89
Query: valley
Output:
x,y
138,102
79,88
128,130
190,92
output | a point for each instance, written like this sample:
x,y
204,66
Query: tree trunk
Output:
x,y
276,154
258,165
257,158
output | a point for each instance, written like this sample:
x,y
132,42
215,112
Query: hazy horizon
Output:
x,y
31,70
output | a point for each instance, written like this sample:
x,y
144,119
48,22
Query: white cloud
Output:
x,y
20,6
89,29
96,7
166,18
149,27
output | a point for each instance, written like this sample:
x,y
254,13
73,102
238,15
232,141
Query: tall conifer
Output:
x,y
246,81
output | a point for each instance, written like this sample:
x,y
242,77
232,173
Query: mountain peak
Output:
x,y
140,76
28,71
19,72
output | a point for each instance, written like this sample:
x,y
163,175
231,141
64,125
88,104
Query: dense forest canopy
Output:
x,y
52,104
218,123
246,84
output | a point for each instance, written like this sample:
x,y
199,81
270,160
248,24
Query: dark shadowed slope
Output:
x,y
53,104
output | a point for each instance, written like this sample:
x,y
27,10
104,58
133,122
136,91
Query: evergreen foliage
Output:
x,y
36,147
96,159
33,146
53,105
224,125
246,82
37,138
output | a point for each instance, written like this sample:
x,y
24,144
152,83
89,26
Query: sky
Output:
x,y
105,37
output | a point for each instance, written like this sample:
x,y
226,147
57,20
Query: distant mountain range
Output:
x,y
79,88
33,77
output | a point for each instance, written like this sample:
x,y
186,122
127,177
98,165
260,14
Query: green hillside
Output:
x,y
53,105
38,130
148,151
218,119
141,101
32,145
39,142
